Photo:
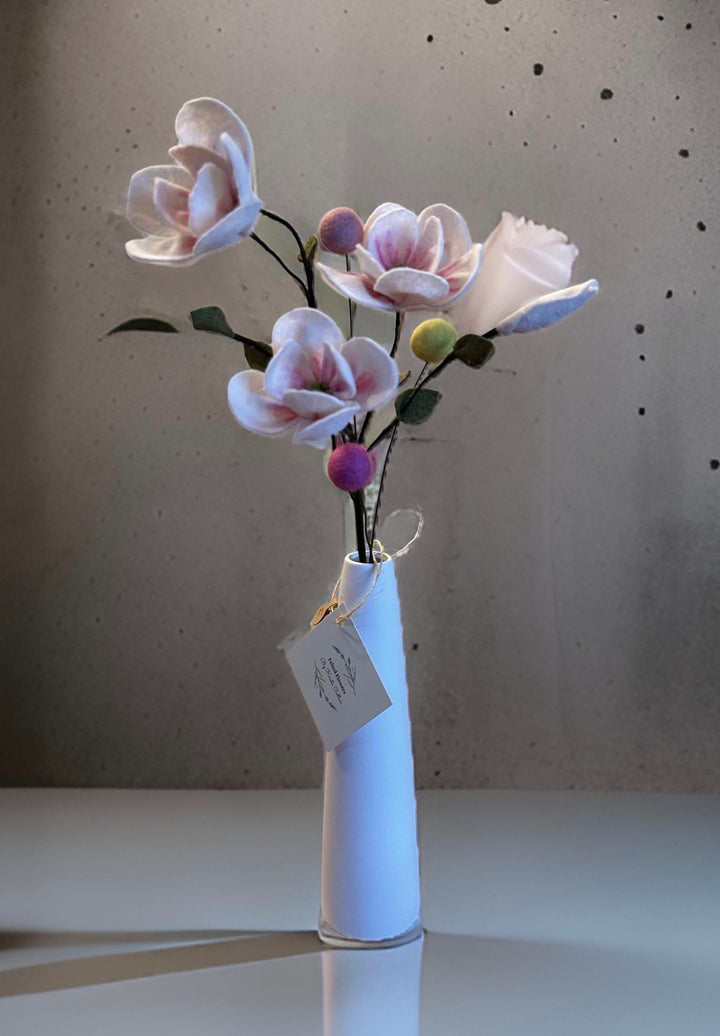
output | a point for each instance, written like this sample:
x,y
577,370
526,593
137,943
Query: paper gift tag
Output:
x,y
338,679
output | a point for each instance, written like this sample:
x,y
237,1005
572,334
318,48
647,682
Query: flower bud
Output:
x,y
433,340
340,231
351,467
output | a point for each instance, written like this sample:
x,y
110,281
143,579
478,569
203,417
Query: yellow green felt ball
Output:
x,y
433,340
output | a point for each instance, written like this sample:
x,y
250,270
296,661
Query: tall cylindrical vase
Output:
x,y
370,873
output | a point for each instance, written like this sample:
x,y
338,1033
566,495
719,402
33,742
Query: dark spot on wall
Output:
x,y
684,153
668,293
701,225
538,68
436,773
492,1
715,464
642,357
689,25
430,38
415,647
661,17
606,94
641,410
640,329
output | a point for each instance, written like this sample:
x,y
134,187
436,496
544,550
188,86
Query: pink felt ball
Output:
x,y
340,231
351,467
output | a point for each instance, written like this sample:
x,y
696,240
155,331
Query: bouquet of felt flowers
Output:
x,y
311,381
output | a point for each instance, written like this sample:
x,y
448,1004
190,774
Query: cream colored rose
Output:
x,y
523,283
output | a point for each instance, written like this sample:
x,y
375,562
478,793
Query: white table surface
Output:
x,y
173,912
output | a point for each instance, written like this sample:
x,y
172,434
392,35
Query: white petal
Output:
x,y
549,309
210,199
307,327
141,205
375,372
318,433
163,251
233,228
194,158
413,289
368,264
297,366
430,247
308,403
354,286
202,122
387,206
288,369
392,238
254,409
244,176
461,275
455,231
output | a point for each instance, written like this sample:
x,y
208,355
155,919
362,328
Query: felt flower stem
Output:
x,y
284,265
381,485
352,306
399,318
360,533
307,263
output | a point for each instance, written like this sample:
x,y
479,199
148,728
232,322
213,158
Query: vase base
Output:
x,y
331,937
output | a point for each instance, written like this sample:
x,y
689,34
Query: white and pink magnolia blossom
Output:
x,y
315,383
206,200
409,262
523,284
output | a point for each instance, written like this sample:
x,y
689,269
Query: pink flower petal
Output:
x,y
254,409
141,206
172,201
211,199
375,372
413,289
307,327
317,433
354,286
392,238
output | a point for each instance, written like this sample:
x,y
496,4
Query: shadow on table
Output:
x,y
202,949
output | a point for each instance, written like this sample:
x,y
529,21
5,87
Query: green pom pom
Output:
x,y
433,340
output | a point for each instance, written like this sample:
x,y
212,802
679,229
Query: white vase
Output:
x,y
370,873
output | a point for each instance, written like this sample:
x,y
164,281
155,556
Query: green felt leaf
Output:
x,y
310,248
474,350
257,354
145,324
413,406
211,318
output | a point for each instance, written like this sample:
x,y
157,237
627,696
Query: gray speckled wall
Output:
x,y
562,608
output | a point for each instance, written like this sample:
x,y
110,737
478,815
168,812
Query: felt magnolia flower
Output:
x,y
206,200
315,383
523,283
408,262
